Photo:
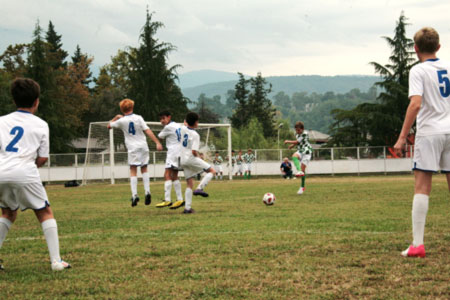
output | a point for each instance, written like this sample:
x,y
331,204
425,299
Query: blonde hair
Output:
x,y
126,105
427,40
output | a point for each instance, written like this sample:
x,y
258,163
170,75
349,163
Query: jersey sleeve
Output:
x,y
164,133
143,124
196,142
415,82
44,147
117,123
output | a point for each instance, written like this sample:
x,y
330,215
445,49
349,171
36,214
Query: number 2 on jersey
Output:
x,y
18,132
131,128
445,90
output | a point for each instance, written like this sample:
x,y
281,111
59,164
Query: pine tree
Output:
x,y
241,115
261,105
56,55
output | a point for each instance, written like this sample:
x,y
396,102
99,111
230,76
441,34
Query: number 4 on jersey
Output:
x,y
131,128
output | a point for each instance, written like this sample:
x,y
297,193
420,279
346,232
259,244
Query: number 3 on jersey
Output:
x,y
185,140
131,128
443,78
18,132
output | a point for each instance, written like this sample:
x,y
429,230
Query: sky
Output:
x,y
274,37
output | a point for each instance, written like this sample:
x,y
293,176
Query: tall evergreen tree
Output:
x,y
83,62
57,55
241,114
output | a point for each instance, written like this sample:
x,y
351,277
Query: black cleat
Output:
x,y
134,201
148,199
188,211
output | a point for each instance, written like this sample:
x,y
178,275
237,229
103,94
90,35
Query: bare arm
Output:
x,y
152,136
117,117
40,161
411,114
195,153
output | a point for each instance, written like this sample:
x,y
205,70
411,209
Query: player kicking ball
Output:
x,y
429,91
303,154
192,164
24,147
134,129
172,133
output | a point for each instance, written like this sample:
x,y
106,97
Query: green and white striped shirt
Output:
x,y
303,146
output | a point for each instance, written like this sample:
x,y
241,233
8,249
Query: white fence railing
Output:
x,y
357,160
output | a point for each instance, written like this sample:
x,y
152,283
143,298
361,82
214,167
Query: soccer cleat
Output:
x,y
60,265
412,251
188,211
177,204
301,191
148,199
299,174
164,204
134,200
200,192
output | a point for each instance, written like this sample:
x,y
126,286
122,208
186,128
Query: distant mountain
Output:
x,y
196,78
289,85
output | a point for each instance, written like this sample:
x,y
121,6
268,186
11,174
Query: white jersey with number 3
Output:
x,y
431,80
23,138
133,127
190,140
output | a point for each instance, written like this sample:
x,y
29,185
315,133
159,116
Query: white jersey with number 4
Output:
x,y
133,127
23,138
431,80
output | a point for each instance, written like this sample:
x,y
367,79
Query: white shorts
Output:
x,y
172,161
218,168
432,153
304,158
239,168
248,167
194,166
15,195
138,157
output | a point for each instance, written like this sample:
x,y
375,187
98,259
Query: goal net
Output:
x,y
106,155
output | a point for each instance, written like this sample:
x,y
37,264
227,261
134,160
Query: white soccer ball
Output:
x,y
269,199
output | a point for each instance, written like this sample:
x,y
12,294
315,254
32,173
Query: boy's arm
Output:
x,y
152,136
117,117
40,161
411,114
44,149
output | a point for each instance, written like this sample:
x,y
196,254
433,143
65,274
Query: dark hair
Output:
x,y
24,92
300,125
217,152
164,113
191,118
233,151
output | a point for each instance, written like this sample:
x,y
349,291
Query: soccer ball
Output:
x,y
269,199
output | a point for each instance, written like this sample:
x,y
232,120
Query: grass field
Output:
x,y
340,240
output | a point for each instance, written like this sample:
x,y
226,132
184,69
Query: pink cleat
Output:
x,y
299,174
412,251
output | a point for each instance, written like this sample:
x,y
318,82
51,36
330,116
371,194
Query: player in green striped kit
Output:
x,y
218,165
248,158
303,155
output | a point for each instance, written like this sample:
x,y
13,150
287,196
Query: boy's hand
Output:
x,y
159,147
399,146
286,141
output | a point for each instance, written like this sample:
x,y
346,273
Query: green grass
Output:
x,y
340,240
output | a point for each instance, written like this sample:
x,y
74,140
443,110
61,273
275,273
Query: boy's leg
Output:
x,y
177,185
6,220
199,190
188,194
168,185
296,160
133,184
448,181
146,182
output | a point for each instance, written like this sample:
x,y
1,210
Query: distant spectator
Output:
x,y
286,169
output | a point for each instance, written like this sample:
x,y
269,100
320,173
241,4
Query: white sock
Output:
x,y
5,224
419,215
215,177
188,198
51,236
167,190
221,177
177,188
133,183
205,181
146,181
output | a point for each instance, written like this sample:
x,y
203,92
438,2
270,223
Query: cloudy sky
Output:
x,y
276,37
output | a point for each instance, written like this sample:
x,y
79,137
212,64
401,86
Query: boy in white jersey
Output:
x,y
239,165
191,163
302,157
217,161
172,134
134,129
24,147
429,91
248,158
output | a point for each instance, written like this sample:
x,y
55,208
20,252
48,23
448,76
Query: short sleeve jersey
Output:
x,y
238,160
431,80
286,166
303,145
172,133
133,127
23,138
190,140
218,160
249,158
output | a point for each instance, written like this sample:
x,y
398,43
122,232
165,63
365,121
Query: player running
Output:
x,y
429,91
172,134
303,154
24,147
217,161
248,158
134,129
191,163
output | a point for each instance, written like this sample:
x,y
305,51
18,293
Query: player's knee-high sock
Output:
x,y
167,190
177,188
205,181
296,163
51,236
146,182
215,177
303,180
221,176
188,198
419,215
5,224
133,183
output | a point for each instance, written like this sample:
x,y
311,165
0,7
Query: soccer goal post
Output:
x,y
106,156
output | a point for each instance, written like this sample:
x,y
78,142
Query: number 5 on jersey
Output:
x,y
443,78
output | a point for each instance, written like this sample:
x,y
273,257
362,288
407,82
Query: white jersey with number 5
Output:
x,y
23,138
190,140
133,127
431,80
